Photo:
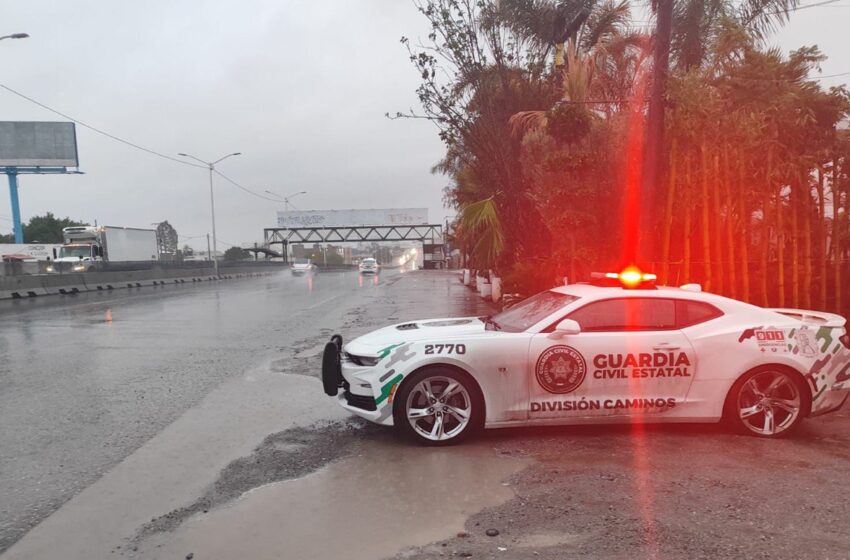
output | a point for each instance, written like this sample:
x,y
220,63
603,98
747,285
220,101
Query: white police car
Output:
x,y
618,349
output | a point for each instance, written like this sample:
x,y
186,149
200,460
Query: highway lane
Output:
x,y
87,379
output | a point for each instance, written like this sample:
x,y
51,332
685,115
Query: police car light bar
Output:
x,y
631,277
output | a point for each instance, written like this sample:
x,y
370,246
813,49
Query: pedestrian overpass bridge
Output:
x,y
427,234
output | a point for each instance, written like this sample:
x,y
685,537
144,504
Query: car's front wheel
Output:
x,y
439,406
767,402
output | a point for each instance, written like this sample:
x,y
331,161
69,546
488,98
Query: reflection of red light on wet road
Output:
x,y
360,280
310,283
375,280
108,316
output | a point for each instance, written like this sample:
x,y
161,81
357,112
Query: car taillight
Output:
x,y
845,340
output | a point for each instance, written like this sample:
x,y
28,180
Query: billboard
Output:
x,y
40,251
345,218
38,144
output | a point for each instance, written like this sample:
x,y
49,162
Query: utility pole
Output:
x,y
654,151
211,166
209,255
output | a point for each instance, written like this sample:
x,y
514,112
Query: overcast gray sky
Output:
x,y
300,87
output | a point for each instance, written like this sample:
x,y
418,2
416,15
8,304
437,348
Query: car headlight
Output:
x,y
79,268
363,360
50,269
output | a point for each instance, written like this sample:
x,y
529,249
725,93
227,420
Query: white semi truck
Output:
x,y
87,248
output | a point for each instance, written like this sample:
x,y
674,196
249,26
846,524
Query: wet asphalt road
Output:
x,y
86,379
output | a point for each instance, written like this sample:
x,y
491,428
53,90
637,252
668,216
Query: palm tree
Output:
x,y
479,231
697,24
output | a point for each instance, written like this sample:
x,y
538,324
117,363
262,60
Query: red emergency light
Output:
x,y
630,278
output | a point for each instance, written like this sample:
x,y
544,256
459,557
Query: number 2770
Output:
x,y
445,348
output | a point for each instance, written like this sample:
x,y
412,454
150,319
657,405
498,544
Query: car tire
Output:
x,y
768,402
331,367
460,415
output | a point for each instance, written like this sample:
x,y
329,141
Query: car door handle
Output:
x,y
664,346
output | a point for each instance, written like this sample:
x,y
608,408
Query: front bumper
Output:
x,y
362,390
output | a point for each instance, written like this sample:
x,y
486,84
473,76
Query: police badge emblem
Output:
x,y
560,369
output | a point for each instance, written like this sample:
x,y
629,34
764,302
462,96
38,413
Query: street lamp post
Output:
x,y
211,165
286,199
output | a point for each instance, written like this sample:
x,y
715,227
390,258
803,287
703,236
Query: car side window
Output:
x,y
690,313
627,314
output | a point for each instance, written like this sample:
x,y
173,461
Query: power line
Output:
x,y
830,76
247,190
226,243
805,7
127,142
97,130
803,79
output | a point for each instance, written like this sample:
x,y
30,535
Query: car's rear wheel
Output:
x,y
439,406
767,402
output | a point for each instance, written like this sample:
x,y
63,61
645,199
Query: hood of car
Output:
x,y
428,329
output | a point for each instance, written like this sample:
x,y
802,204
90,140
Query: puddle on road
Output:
x,y
388,497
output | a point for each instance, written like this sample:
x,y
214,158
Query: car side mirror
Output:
x,y
567,327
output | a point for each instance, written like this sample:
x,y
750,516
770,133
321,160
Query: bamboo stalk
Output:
x,y
668,216
780,248
730,225
706,226
821,244
765,233
746,218
795,247
807,246
686,241
718,228
836,231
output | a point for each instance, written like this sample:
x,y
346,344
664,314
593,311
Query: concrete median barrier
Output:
x,y
64,284
29,286
13,287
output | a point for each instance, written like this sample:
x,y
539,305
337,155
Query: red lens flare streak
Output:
x,y
633,174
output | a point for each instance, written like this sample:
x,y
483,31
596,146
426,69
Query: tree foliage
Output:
x,y
43,229
236,254
541,106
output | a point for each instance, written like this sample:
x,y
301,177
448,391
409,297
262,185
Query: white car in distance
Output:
x,y
301,267
369,266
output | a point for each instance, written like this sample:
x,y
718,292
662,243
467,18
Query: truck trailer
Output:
x,y
88,248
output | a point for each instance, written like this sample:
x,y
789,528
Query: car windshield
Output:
x,y
529,312
75,252
302,261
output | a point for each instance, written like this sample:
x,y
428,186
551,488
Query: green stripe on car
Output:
x,y
385,390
